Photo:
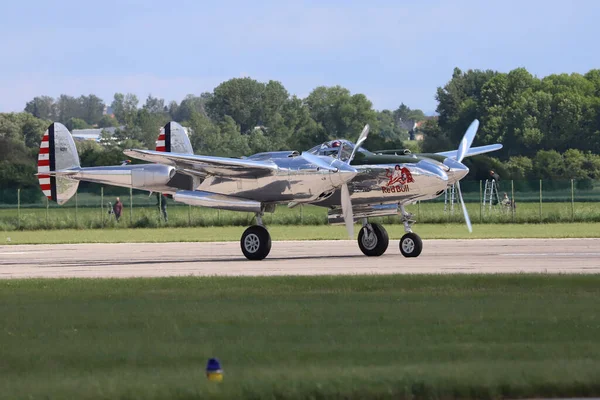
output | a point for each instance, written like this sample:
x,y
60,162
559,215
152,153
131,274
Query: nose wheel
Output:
x,y
411,245
256,242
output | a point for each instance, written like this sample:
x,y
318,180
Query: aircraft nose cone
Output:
x,y
434,169
457,170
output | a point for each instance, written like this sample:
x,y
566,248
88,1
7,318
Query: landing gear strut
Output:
x,y
373,239
256,240
411,244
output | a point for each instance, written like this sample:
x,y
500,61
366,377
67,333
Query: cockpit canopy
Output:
x,y
340,149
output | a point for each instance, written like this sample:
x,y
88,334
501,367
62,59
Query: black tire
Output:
x,y
376,247
411,245
256,242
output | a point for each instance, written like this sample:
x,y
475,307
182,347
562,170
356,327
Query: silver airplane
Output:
x,y
324,175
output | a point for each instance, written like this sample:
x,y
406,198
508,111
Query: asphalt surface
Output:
x,y
298,258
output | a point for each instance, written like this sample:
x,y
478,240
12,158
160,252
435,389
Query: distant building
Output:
x,y
409,125
91,134
414,132
108,111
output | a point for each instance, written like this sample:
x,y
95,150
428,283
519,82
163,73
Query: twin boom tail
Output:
x,y
57,153
59,170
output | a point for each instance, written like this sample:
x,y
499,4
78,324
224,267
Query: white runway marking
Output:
x,y
551,254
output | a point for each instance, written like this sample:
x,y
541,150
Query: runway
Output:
x,y
298,258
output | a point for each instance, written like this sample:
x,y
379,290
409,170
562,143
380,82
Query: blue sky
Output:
x,y
392,51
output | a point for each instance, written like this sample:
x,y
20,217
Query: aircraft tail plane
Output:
x,y
174,139
57,158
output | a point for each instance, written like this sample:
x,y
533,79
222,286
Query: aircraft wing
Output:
x,y
473,151
206,165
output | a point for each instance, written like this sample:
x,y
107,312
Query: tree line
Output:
x,y
550,127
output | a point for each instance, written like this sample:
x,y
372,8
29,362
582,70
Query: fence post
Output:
x,y
130,206
76,206
480,202
102,204
541,219
572,202
512,196
18,208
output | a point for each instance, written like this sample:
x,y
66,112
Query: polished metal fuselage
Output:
x,y
297,181
294,180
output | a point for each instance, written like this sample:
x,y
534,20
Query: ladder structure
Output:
x,y
450,188
490,190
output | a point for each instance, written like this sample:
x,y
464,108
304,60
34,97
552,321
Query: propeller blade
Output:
x,y
347,210
464,208
467,141
360,141
318,161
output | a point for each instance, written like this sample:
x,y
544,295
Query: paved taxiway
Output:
x,y
298,258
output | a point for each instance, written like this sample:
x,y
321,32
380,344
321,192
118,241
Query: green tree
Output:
x,y
434,139
67,107
154,105
340,114
91,109
405,113
519,167
240,99
458,100
107,122
204,135
549,164
76,123
125,108
42,107
191,104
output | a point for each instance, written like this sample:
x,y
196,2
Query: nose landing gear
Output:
x,y
373,239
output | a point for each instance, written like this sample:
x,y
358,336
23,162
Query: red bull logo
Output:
x,y
398,180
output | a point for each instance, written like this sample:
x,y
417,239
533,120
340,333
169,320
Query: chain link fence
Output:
x,y
510,202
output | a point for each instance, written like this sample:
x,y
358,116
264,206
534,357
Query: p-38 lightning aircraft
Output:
x,y
351,181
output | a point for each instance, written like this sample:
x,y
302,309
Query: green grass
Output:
x,y
184,216
301,337
281,232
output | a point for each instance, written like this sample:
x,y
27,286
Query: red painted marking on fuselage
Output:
x,y
395,189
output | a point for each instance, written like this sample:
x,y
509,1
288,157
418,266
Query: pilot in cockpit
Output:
x,y
335,148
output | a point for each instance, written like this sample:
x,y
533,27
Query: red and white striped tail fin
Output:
x,y
174,139
57,153
47,182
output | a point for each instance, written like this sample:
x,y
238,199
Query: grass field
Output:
x,y
185,216
285,232
384,337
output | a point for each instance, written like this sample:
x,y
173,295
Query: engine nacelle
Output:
x,y
151,175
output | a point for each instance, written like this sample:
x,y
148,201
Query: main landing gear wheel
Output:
x,y
373,240
411,245
256,242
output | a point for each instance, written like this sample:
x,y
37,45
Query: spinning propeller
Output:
x,y
345,193
346,174
463,149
